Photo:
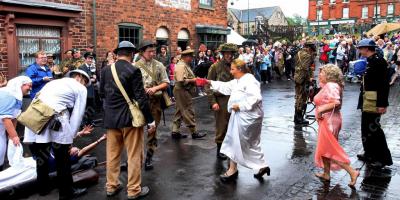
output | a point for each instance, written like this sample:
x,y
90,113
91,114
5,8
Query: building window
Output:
x,y
130,32
206,3
212,41
377,11
364,12
390,10
319,15
319,2
31,39
332,1
345,13
345,1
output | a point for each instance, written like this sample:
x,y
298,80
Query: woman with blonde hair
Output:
x,y
242,140
329,155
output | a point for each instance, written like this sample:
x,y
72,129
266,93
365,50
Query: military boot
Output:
x,y
148,164
220,156
299,119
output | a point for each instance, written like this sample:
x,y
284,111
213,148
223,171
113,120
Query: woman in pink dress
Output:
x,y
329,155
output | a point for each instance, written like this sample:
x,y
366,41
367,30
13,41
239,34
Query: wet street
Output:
x,y
188,169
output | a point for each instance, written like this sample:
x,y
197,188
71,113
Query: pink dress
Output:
x,y
328,131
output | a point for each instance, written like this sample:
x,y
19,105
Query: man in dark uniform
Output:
x,y
375,89
220,71
303,75
118,122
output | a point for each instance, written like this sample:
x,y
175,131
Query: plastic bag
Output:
x,y
14,154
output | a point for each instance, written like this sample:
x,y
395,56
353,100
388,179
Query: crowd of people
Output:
x,y
134,85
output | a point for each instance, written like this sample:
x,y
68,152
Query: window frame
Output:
x,y
205,6
364,10
345,1
131,26
319,15
377,9
348,13
393,10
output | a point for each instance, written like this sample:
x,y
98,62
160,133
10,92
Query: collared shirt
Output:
x,y
36,73
61,95
182,72
155,67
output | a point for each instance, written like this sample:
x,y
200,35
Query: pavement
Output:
x,y
188,169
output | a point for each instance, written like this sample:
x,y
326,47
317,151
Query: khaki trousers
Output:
x,y
132,138
183,111
152,142
221,119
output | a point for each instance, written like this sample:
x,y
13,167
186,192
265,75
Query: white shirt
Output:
x,y
60,95
248,58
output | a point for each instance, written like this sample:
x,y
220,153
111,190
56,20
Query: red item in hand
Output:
x,y
201,82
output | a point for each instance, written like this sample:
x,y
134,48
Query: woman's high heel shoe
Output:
x,y
226,178
260,174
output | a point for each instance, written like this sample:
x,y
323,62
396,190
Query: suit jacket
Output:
x,y
376,79
116,110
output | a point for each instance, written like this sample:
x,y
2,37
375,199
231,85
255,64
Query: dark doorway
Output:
x,y
183,44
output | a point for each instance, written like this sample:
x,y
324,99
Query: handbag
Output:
x,y
36,116
137,115
165,99
85,178
369,100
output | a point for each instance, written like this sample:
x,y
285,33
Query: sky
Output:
x,y
289,7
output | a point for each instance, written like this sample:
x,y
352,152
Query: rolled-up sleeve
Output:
x,y
79,109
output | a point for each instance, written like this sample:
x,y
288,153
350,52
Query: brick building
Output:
x,y
350,16
55,26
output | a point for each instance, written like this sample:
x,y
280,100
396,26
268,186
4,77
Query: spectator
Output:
x,y
39,72
164,57
210,56
55,69
341,54
66,62
86,67
178,53
171,77
324,58
266,67
3,80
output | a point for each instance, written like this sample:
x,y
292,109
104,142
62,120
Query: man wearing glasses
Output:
x,y
39,72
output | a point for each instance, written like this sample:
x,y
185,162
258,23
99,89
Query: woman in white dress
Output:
x,y
242,141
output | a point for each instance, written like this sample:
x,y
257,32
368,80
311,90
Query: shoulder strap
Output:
x,y
119,84
141,66
298,55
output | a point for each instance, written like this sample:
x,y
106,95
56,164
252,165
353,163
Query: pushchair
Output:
x,y
312,90
356,70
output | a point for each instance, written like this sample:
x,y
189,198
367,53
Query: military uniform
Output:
x,y
220,71
76,63
150,71
303,74
64,65
183,92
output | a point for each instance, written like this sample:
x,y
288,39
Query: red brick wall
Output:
x,y
330,12
151,17
110,13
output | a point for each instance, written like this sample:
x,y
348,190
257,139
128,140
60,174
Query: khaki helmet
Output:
x,y
228,47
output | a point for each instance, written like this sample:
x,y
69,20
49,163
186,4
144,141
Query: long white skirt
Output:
x,y
242,140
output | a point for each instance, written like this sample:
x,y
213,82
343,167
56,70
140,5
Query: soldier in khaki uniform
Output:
x,y
155,80
76,60
66,62
303,75
185,87
220,71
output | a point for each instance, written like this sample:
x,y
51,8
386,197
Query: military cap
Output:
x,y
88,54
125,45
83,73
311,45
146,43
228,47
366,43
188,52
50,55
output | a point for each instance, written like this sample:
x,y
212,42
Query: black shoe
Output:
x,y
220,155
178,135
198,135
260,174
148,164
145,191
226,178
363,157
75,193
115,192
124,166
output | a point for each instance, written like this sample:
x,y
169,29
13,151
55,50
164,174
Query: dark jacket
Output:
x,y
36,73
116,110
376,79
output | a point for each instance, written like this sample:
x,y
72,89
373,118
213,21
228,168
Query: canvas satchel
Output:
x,y
137,115
36,116
369,101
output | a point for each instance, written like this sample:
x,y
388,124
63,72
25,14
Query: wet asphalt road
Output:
x,y
188,169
